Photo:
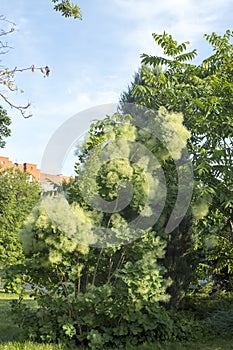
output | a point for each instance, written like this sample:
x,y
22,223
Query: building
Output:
x,y
44,179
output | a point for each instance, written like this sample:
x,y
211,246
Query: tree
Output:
x,y
203,93
18,195
101,258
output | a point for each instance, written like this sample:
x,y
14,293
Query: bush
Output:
x,y
92,297
186,326
98,320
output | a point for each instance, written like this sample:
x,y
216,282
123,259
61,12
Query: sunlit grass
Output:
x,y
29,346
11,296
214,344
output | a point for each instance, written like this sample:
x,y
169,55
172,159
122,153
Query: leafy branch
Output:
x,y
68,9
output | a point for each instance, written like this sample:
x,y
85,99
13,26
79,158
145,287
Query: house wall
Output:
x,y
6,163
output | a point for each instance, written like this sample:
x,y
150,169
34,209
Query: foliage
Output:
x,y
220,264
85,285
67,9
203,93
208,306
100,280
104,279
18,195
4,126
179,260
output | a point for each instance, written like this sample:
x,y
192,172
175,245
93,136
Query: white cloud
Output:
x,y
184,19
148,9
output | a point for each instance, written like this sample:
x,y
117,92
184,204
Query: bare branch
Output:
x,y
4,19
4,47
3,32
7,75
21,109
6,79
10,73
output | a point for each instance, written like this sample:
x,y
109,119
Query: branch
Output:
x,y
10,73
21,109
6,32
96,268
6,77
3,32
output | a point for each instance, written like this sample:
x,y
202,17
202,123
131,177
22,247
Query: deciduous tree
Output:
x,y
203,93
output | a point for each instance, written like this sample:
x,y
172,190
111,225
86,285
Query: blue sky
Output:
x,y
92,61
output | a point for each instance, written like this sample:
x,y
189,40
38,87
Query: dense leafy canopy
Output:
x,y
204,94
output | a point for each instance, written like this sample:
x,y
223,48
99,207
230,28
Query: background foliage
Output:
x,y
18,195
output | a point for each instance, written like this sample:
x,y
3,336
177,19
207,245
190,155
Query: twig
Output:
x,y
21,109
5,79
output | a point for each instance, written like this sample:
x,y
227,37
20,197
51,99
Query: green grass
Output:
x,y
8,331
10,336
214,344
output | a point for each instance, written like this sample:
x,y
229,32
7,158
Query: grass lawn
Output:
x,y
8,331
10,335
28,346
214,344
